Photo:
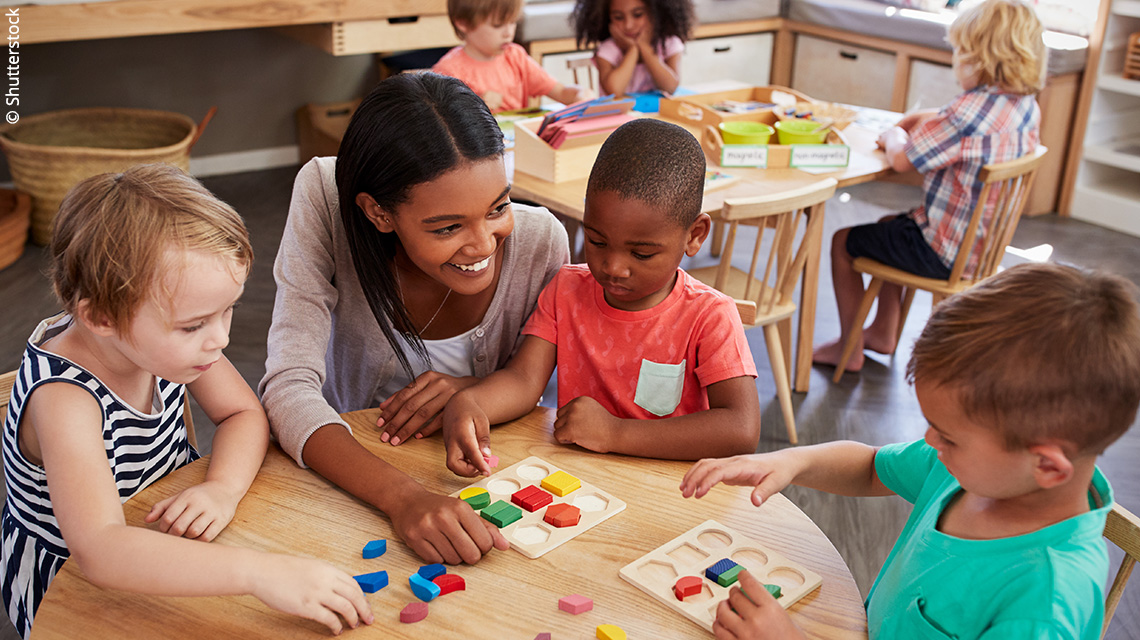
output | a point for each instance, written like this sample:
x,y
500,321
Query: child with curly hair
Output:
x,y
639,41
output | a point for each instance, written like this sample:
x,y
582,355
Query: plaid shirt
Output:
x,y
979,127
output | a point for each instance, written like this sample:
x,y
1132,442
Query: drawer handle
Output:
x,y
404,20
848,55
724,49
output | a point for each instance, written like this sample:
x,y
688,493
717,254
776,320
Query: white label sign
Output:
x,y
744,155
820,155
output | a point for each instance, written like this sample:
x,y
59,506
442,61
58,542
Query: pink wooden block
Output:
x,y
492,461
575,604
414,612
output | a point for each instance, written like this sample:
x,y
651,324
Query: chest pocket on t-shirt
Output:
x,y
917,625
659,387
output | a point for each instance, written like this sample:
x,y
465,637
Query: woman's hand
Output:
x,y
415,410
444,529
198,513
751,613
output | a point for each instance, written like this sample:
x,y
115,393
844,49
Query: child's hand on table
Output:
x,y
444,529
311,589
198,513
416,409
752,613
494,100
584,422
770,473
466,437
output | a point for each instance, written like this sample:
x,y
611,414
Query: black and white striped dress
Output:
x,y
141,448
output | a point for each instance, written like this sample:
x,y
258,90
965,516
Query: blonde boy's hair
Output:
x,y
112,232
474,12
1001,40
1040,352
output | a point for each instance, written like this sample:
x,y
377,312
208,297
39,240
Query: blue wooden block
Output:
x,y
375,549
423,588
432,571
722,565
372,582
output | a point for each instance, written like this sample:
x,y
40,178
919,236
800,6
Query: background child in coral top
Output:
x,y
489,61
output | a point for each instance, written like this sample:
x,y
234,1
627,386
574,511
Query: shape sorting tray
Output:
x,y
690,553
531,536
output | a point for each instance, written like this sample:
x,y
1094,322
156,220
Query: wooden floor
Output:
x,y
876,406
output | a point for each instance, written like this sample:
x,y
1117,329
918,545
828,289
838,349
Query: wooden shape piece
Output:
x,y
423,588
545,635
531,498
501,514
687,586
561,483
372,582
414,612
717,568
431,571
563,515
521,495
374,549
728,578
610,632
477,497
575,604
775,590
450,582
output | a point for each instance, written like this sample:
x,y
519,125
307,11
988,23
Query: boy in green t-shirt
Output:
x,y
1023,379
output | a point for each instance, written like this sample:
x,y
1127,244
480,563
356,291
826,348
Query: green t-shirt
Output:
x,y
1041,585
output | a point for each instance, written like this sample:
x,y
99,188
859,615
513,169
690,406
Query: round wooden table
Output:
x,y
293,510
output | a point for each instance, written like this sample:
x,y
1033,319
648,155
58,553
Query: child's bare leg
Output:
x,y
880,337
849,291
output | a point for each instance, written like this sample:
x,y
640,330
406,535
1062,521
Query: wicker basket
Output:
x,y
1132,57
49,153
15,215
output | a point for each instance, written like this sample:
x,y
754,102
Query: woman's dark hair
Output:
x,y
591,20
411,129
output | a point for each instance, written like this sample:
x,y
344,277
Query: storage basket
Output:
x,y
49,153
839,115
15,215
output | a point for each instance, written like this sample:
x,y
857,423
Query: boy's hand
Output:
x,y
585,93
443,529
198,513
752,613
584,422
769,472
494,99
466,437
311,589
415,410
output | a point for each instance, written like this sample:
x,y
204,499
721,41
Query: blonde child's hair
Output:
x,y
112,231
1040,352
474,12
1001,40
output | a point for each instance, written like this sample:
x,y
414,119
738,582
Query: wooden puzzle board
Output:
x,y
531,536
690,553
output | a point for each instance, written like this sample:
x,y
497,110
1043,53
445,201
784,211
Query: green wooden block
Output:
x,y
774,589
501,513
728,578
478,500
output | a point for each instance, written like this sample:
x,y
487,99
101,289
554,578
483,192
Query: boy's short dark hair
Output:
x,y
654,162
1041,352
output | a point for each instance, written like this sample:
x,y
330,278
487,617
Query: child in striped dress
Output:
x,y
148,266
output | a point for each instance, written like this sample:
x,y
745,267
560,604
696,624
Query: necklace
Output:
x,y
400,286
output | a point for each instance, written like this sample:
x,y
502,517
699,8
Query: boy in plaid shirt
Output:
x,y
999,61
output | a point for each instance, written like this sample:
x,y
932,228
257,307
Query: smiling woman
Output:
x,y
404,274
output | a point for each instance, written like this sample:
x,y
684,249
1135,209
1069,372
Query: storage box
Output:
x,y
836,153
697,108
572,161
321,126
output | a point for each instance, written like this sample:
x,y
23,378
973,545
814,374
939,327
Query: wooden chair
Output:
x,y
585,65
8,380
1122,528
1005,184
767,301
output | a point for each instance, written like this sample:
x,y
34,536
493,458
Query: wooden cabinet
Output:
x,y
931,85
840,72
747,58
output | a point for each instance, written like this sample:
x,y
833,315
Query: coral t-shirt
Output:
x,y
514,75
653,363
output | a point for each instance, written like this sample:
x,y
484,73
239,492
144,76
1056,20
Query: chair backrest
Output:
x,y
1006,185
584,64
1123,528
781,213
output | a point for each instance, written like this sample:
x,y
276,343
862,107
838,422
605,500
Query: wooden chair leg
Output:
x,y
785,327
855,334
908,298
780,373
936,298
717,240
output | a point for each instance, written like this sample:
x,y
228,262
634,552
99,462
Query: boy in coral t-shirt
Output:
x,y
651,362
489,61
